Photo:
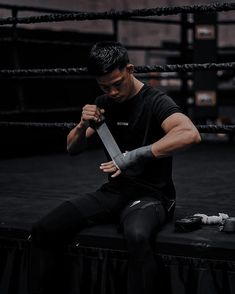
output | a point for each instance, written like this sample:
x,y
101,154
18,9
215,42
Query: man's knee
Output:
x,y
44,234
137,241
58,227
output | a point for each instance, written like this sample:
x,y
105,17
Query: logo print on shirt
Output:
x,y
122,123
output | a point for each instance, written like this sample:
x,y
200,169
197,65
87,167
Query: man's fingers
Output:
x,y
90,117
92,112
88,112
117,173
109,163
109,167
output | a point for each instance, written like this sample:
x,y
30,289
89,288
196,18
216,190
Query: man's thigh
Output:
x,y
103,205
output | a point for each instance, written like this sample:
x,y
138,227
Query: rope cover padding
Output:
x,y
138,69
122,14
226,129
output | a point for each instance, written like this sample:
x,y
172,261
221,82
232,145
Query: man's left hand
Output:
x,y
110,167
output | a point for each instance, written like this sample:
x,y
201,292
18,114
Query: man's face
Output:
x,y
118,84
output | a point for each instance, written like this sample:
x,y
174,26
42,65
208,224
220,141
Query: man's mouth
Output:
x,y
118,99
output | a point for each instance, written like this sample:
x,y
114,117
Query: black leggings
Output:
x,y
59,227
140,228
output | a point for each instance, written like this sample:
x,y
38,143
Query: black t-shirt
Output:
x,y
135,123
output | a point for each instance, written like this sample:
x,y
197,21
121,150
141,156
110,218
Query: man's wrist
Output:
x,y
135,157
83,125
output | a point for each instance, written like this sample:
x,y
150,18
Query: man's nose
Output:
x,y
113,92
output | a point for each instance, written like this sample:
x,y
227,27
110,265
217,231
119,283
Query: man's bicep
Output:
x,y
176,120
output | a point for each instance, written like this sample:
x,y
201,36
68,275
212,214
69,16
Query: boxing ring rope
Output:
x,y
229,129
33,8
138,69
122,14
51,10
225,129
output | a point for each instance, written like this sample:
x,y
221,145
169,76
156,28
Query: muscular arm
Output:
x,y
76,139
180,133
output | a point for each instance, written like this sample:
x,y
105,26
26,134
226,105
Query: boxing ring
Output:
x,y
200,261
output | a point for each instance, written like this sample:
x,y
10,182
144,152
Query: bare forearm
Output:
x,y
176,139
76,139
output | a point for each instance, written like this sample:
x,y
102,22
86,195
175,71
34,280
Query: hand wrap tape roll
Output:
x,y
188,224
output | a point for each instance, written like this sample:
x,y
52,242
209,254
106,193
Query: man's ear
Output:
x,y
130,67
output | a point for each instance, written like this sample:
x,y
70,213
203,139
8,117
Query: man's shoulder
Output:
x,y
152,91
158,101
153,94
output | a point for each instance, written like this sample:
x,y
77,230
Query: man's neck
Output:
x,y
137,86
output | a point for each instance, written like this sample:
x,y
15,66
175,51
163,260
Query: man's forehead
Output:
x,y
111,78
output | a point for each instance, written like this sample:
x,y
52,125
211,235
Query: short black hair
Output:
x,y
106,56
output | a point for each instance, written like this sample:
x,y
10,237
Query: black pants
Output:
x,y
141,218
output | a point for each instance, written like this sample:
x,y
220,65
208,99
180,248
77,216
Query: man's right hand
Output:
x,y
91,113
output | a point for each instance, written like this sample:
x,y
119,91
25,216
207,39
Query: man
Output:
x,y
148,127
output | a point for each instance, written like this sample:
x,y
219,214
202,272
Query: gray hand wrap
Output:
x,y
134,158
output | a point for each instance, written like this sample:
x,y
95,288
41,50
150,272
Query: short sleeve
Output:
x,y
163,107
